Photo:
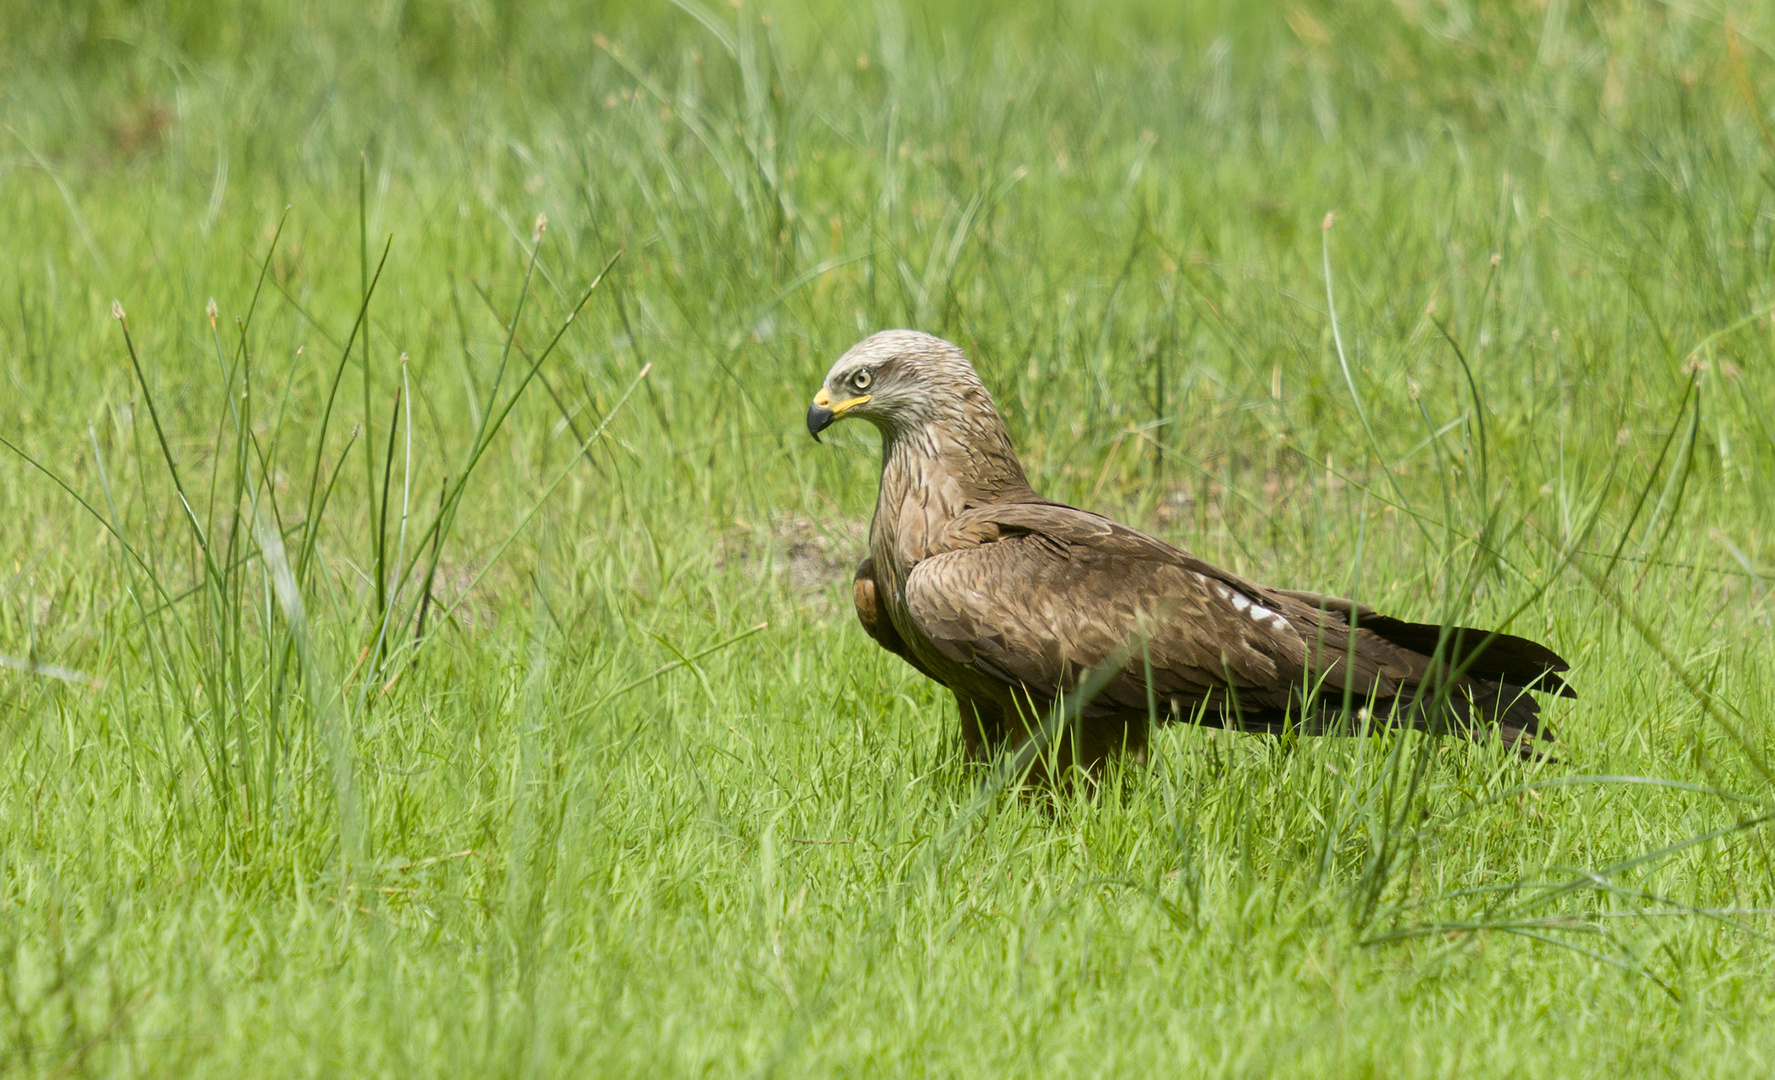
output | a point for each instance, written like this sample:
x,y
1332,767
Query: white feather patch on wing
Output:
x,y
1244,605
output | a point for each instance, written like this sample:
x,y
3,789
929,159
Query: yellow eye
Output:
x,y
861,380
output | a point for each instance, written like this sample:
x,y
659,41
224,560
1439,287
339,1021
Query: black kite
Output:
x,y
1009,599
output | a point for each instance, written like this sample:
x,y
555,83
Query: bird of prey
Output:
x,y
1010,600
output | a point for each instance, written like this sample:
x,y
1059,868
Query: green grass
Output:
x,y
640,798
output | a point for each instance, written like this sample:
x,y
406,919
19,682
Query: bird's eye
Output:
x,y
861,380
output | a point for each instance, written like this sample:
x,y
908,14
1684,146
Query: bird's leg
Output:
x,y
1096,742
982,727
1082,752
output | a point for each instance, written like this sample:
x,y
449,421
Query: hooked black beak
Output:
x,y
819,418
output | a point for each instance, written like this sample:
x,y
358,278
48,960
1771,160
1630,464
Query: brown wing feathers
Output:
x,y
1032,594
1489,655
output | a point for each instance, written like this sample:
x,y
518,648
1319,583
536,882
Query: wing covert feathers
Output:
x,y
1028,597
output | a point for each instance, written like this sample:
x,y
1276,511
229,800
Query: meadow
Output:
x,y
425,623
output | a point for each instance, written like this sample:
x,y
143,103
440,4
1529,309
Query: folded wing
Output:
x,y
1031,596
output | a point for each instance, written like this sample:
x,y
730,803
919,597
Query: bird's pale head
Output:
x,y
897,379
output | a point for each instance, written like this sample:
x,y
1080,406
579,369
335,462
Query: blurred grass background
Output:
x,y
580,815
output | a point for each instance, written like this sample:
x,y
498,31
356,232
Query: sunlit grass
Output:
x,y
436,657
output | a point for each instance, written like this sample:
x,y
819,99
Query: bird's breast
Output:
x,y
918,500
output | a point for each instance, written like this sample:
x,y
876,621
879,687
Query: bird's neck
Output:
x,y
934,470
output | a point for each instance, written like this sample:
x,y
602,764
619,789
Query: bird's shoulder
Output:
x,y
1072,534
